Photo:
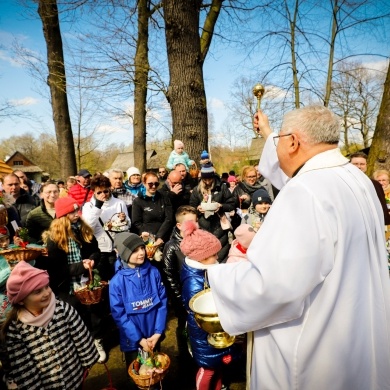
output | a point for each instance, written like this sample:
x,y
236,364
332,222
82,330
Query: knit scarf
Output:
x,y
250,189
43,319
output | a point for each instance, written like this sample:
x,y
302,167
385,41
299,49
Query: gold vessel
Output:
x,y
258,90
206,316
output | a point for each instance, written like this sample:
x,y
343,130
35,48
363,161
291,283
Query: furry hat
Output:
x,y
244,235
133,171
125,243
198,244
65,206
24,279
177,144
260,195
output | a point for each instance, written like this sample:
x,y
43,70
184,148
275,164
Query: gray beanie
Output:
x,y
125,243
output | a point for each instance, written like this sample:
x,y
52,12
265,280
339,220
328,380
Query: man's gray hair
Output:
x,y
316,123
115,170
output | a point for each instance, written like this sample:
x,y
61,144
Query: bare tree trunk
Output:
x,y
141,62
379,156
293,26
328,86
186,53
56,80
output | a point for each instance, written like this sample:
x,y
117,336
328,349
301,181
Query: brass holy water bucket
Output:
x,y
206,316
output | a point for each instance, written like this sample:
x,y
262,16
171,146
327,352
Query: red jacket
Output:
x,y
78,193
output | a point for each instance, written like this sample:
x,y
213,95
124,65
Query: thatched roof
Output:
x,y
154,159
4,168
255,150
29,169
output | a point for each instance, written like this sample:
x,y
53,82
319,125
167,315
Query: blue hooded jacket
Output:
x,y
204,354
138,303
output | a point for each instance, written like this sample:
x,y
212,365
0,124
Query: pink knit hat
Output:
x,y
231,179
177,144
244,235
198,244
65,206
24,279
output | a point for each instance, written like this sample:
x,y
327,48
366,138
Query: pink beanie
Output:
x,y
198,244
24,279
177,143
244,235
231,179
65,206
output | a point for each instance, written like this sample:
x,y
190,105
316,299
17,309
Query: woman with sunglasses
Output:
x,y
107,216
152,212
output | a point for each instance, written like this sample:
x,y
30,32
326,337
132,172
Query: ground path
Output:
x,y
181,375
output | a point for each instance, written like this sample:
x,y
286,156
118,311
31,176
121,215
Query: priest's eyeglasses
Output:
x,y
276,138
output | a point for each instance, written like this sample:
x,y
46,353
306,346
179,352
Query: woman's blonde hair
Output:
x,y
61,230
246,169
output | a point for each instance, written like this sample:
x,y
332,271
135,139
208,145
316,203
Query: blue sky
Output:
x,y
221,68
19,87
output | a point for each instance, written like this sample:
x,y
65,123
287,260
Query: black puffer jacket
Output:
x,y
212,224
177,200
173,260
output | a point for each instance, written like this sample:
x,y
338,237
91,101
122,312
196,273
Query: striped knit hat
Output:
x,y
207,171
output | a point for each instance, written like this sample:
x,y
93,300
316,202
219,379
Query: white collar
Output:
x,y
328,159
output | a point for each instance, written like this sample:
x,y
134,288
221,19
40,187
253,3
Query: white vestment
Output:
x,y
316,287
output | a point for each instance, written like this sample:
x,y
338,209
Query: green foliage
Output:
x,y
96,279
351,149
23,233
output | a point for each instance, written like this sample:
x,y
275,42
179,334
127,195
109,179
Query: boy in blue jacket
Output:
x,y
138,299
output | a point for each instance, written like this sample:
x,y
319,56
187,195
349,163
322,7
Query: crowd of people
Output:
x,y
277,263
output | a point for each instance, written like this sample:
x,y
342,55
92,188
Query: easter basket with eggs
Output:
x,y
116,225
149,368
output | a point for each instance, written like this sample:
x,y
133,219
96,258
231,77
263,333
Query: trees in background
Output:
x,y
306,53
42,151
301,50
379,156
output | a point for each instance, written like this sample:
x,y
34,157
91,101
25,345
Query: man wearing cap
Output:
x,y
214,221
81,191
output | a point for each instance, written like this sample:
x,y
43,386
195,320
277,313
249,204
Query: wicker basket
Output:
x,y
194,171
145,381
150,251
86,296
14,255
3,216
